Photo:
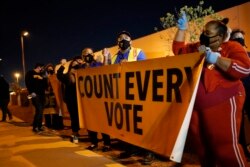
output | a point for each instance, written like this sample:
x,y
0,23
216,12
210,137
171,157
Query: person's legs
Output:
x,y
247,102
107,143
93,139
222,125
38,102
48,120
242,136
9,114
197,138
6,103
73,111
57,121
41,101
36,116
106,139
4,111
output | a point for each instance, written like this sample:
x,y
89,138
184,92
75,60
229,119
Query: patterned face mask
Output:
x,y
205,40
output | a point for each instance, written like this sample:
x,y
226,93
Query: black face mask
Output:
x,y
205,40
240,40
89,58
76,66
124,44
51,72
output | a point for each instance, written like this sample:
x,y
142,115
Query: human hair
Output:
x,y
39,65
235,31
87,48
49,65
221,25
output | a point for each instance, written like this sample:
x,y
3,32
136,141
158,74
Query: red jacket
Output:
x,y
216,85
212,79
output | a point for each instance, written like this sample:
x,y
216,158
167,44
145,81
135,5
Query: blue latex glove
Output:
x,y
182,21
211,57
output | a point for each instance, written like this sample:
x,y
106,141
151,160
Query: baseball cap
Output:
x,y
124,32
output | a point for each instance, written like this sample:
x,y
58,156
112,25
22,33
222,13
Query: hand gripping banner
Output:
x,y
145,103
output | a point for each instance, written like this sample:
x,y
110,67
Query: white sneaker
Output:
x,y
75,139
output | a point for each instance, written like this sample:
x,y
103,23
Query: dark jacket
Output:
x,y
35,85
4,89
69,88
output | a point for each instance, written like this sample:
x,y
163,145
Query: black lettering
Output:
x,y
109,112
80,86
157,85
98,94
137,119
88,86
127,107
116,76
128,85
171,86
142,89
118,108
108,86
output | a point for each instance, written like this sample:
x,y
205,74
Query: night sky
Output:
x,y
61,29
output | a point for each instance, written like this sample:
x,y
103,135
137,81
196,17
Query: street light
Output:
x,y
23,34
17,75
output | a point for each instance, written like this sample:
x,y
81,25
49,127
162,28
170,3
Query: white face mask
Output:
x,y
229,30
238,35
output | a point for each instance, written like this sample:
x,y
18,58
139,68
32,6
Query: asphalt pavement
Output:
x,y
20,147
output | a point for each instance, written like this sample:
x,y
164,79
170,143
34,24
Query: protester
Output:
x,y
36,84
89,62
217,112
238,36
69,81
4,99
51,112
127,53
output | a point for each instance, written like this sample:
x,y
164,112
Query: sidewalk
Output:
x,y
20,147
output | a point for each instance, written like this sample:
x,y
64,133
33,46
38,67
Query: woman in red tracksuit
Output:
x,y
216,117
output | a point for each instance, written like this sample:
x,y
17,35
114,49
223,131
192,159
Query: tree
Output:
x,y
196,17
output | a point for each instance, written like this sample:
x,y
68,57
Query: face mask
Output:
x,y
89,58
240,40
205,40
76,66
124,44
51,72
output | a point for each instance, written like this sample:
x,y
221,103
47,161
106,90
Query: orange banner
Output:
x,y
143,103
57,89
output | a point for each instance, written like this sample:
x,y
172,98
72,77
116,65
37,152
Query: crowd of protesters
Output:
x,y
222,91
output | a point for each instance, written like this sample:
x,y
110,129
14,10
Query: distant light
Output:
x,y
25,33
0,59
17,75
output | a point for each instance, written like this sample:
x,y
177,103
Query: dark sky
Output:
x,y
62,28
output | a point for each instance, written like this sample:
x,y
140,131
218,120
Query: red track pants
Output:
x,y
215,133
